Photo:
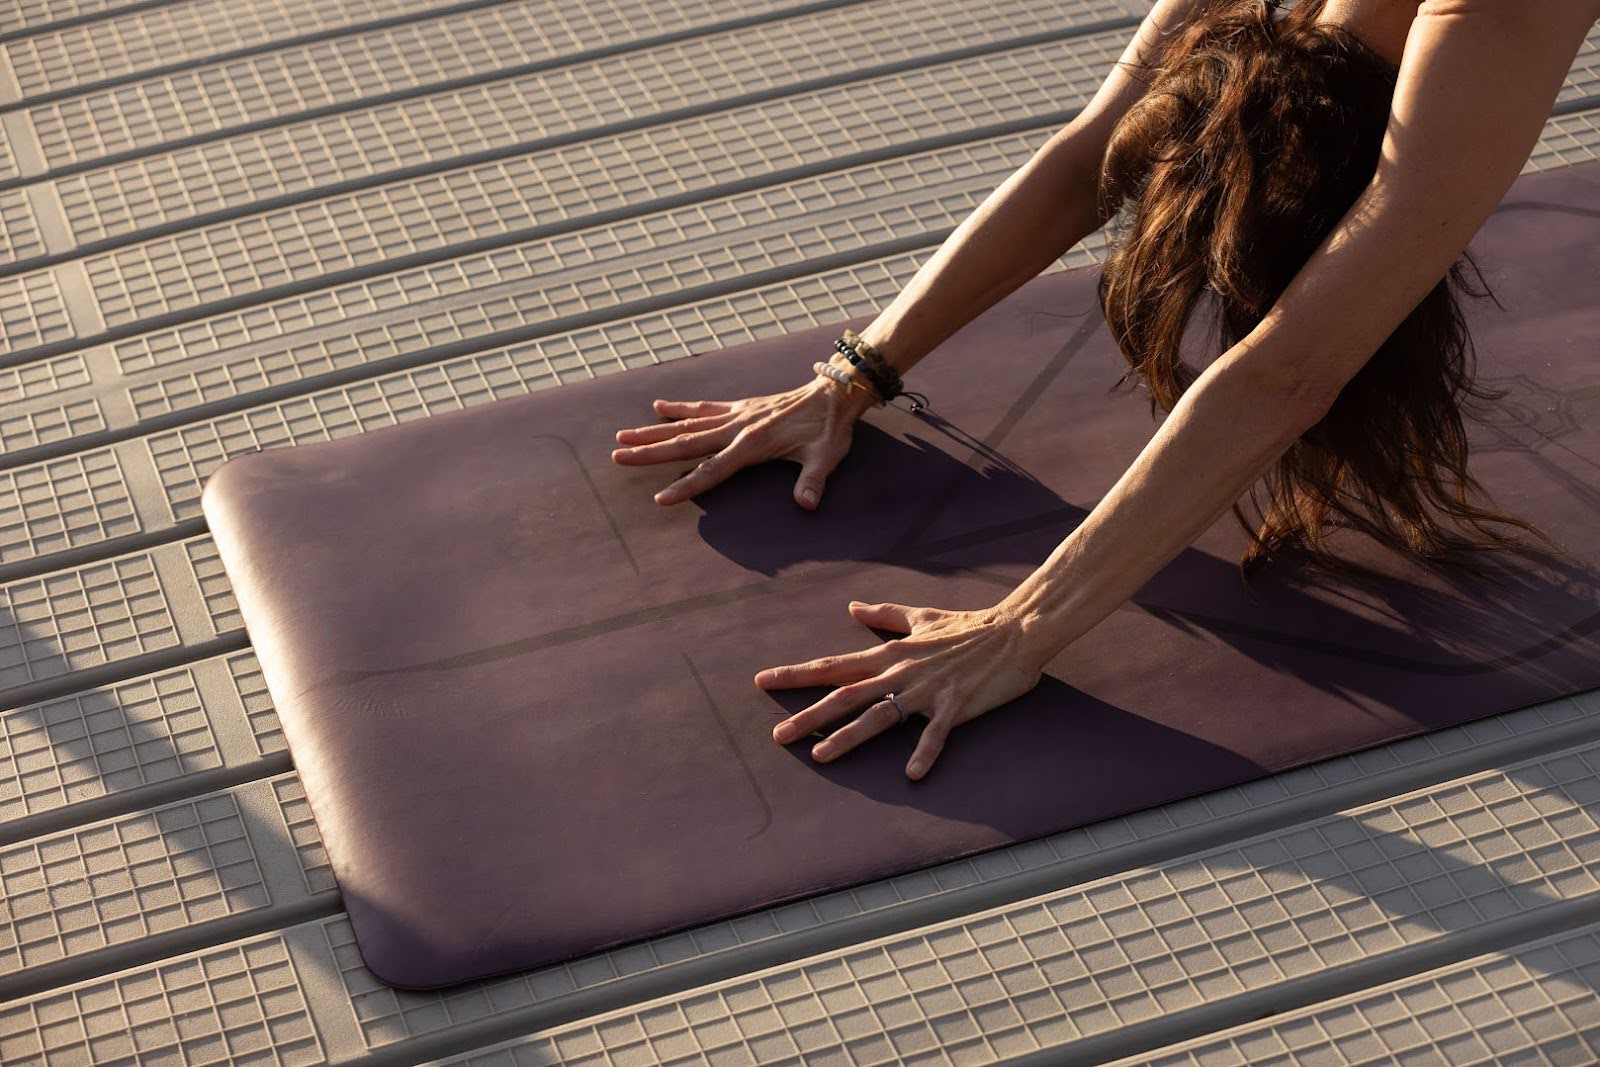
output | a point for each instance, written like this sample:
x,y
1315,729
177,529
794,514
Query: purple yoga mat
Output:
x,y
519,692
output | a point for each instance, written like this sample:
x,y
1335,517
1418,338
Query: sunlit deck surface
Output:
x,y
239,224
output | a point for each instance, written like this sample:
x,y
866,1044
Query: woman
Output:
x,y
1316,175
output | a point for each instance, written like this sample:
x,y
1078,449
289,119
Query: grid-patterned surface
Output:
x,y
1538,1004
49,424
265,730
289,81
172,33
215,592
125,880
75,619
39,14
634,85
240,1004
103,741
1583,77
343,233
1569,139
8,161
70,501
32,312
19,230
303,835
1113,954
42,377
640,258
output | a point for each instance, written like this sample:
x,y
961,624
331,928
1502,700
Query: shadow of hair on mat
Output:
x,y
1054,757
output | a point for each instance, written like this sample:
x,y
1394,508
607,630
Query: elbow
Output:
x,y
1284,402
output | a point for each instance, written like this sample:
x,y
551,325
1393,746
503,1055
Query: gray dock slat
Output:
x,y
271,86
78,894
1538,1003
589,100
59,59
133,379
130,378
148,739
31,16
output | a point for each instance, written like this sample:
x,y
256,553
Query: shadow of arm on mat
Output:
x,y
1385,634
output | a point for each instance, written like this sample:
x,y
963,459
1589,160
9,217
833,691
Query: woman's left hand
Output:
x,y
952,667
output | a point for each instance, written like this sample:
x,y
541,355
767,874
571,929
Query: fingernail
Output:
x,y
916,769
809,496
822,751
784,731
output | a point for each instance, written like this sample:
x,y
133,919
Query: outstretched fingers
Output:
x,y
687,409
896,618
825,670
879,717
682,446
711,471
662,431
837,704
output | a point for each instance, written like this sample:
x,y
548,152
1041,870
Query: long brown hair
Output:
x,y
1257,131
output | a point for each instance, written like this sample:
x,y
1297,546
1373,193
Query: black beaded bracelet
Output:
x,y
884,379
869,372
888,374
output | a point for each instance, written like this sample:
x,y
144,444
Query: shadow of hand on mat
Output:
x,y
1054,757
879,500
1391,637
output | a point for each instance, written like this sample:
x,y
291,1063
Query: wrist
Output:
x,y
1042,614
849,400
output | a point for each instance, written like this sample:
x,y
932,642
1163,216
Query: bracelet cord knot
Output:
x,y
884,380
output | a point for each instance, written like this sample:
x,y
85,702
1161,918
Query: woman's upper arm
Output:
x,y
1475,87
1083,140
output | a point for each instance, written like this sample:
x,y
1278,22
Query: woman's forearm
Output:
x,y
1030,220
1224,432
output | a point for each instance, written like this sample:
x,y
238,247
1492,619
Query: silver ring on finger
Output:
x,y
897,706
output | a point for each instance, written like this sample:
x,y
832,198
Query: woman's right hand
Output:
x,y
811,424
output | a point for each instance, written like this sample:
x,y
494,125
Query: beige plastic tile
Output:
x,y
633,86
326,73
1538,1003
116,45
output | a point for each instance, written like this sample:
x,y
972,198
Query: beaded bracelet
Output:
x,y
866,369
890,376
848,380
